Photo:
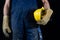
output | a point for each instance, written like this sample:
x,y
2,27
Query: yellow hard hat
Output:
x,y
37,14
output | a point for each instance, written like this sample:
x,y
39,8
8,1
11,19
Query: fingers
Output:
x,y
8,30
5,32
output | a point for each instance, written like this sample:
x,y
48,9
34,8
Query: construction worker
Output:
x,y
23,27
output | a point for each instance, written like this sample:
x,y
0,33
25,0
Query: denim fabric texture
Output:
x,y
22,21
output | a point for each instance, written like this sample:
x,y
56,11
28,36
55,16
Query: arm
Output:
x,y
5,18
6,8
48,12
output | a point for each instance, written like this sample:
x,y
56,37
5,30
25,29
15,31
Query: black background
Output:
x,y
50,31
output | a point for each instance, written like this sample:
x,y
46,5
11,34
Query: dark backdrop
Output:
x,y
50,31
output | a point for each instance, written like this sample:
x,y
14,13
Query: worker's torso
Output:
x,y
23,9
24,3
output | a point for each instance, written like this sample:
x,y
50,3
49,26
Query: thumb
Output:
x,y
9,30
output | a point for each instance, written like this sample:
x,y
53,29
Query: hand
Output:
x,y
46,4
6,30
5,27
45,19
